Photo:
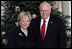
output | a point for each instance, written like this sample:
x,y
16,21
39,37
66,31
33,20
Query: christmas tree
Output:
x,y
11,11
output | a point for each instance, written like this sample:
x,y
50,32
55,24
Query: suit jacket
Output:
x,y
17,39
55,34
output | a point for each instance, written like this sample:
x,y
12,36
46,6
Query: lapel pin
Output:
x,y
51,22
20,34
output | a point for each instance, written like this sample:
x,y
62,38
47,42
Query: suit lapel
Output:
x,y
38,27
49,26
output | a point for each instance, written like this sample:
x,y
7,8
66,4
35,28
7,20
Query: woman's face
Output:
x,y
24,22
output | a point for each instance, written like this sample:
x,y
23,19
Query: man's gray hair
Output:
x,y
44,2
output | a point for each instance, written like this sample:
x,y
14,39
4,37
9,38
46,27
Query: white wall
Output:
x,y
59,5
64,6
67,7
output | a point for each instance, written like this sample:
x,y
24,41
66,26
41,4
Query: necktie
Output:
x,y
43,30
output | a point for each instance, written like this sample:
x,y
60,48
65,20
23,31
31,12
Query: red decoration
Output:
x,y
26,6
34,11
36,16
58,15
51,9
68,40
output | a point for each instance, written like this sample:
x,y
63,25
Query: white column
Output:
x,y
67,7
59,5
67,11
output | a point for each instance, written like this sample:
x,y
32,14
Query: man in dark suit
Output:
x,y
49,30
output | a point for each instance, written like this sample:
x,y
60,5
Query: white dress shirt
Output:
x,y
46,23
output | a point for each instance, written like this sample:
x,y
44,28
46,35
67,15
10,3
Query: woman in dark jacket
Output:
x,y
22,37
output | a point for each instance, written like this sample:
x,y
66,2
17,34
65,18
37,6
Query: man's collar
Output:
x,y
46,19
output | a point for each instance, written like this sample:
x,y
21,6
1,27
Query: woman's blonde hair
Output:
x,y
24,14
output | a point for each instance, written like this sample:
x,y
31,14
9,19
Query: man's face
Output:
x,y
45,11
